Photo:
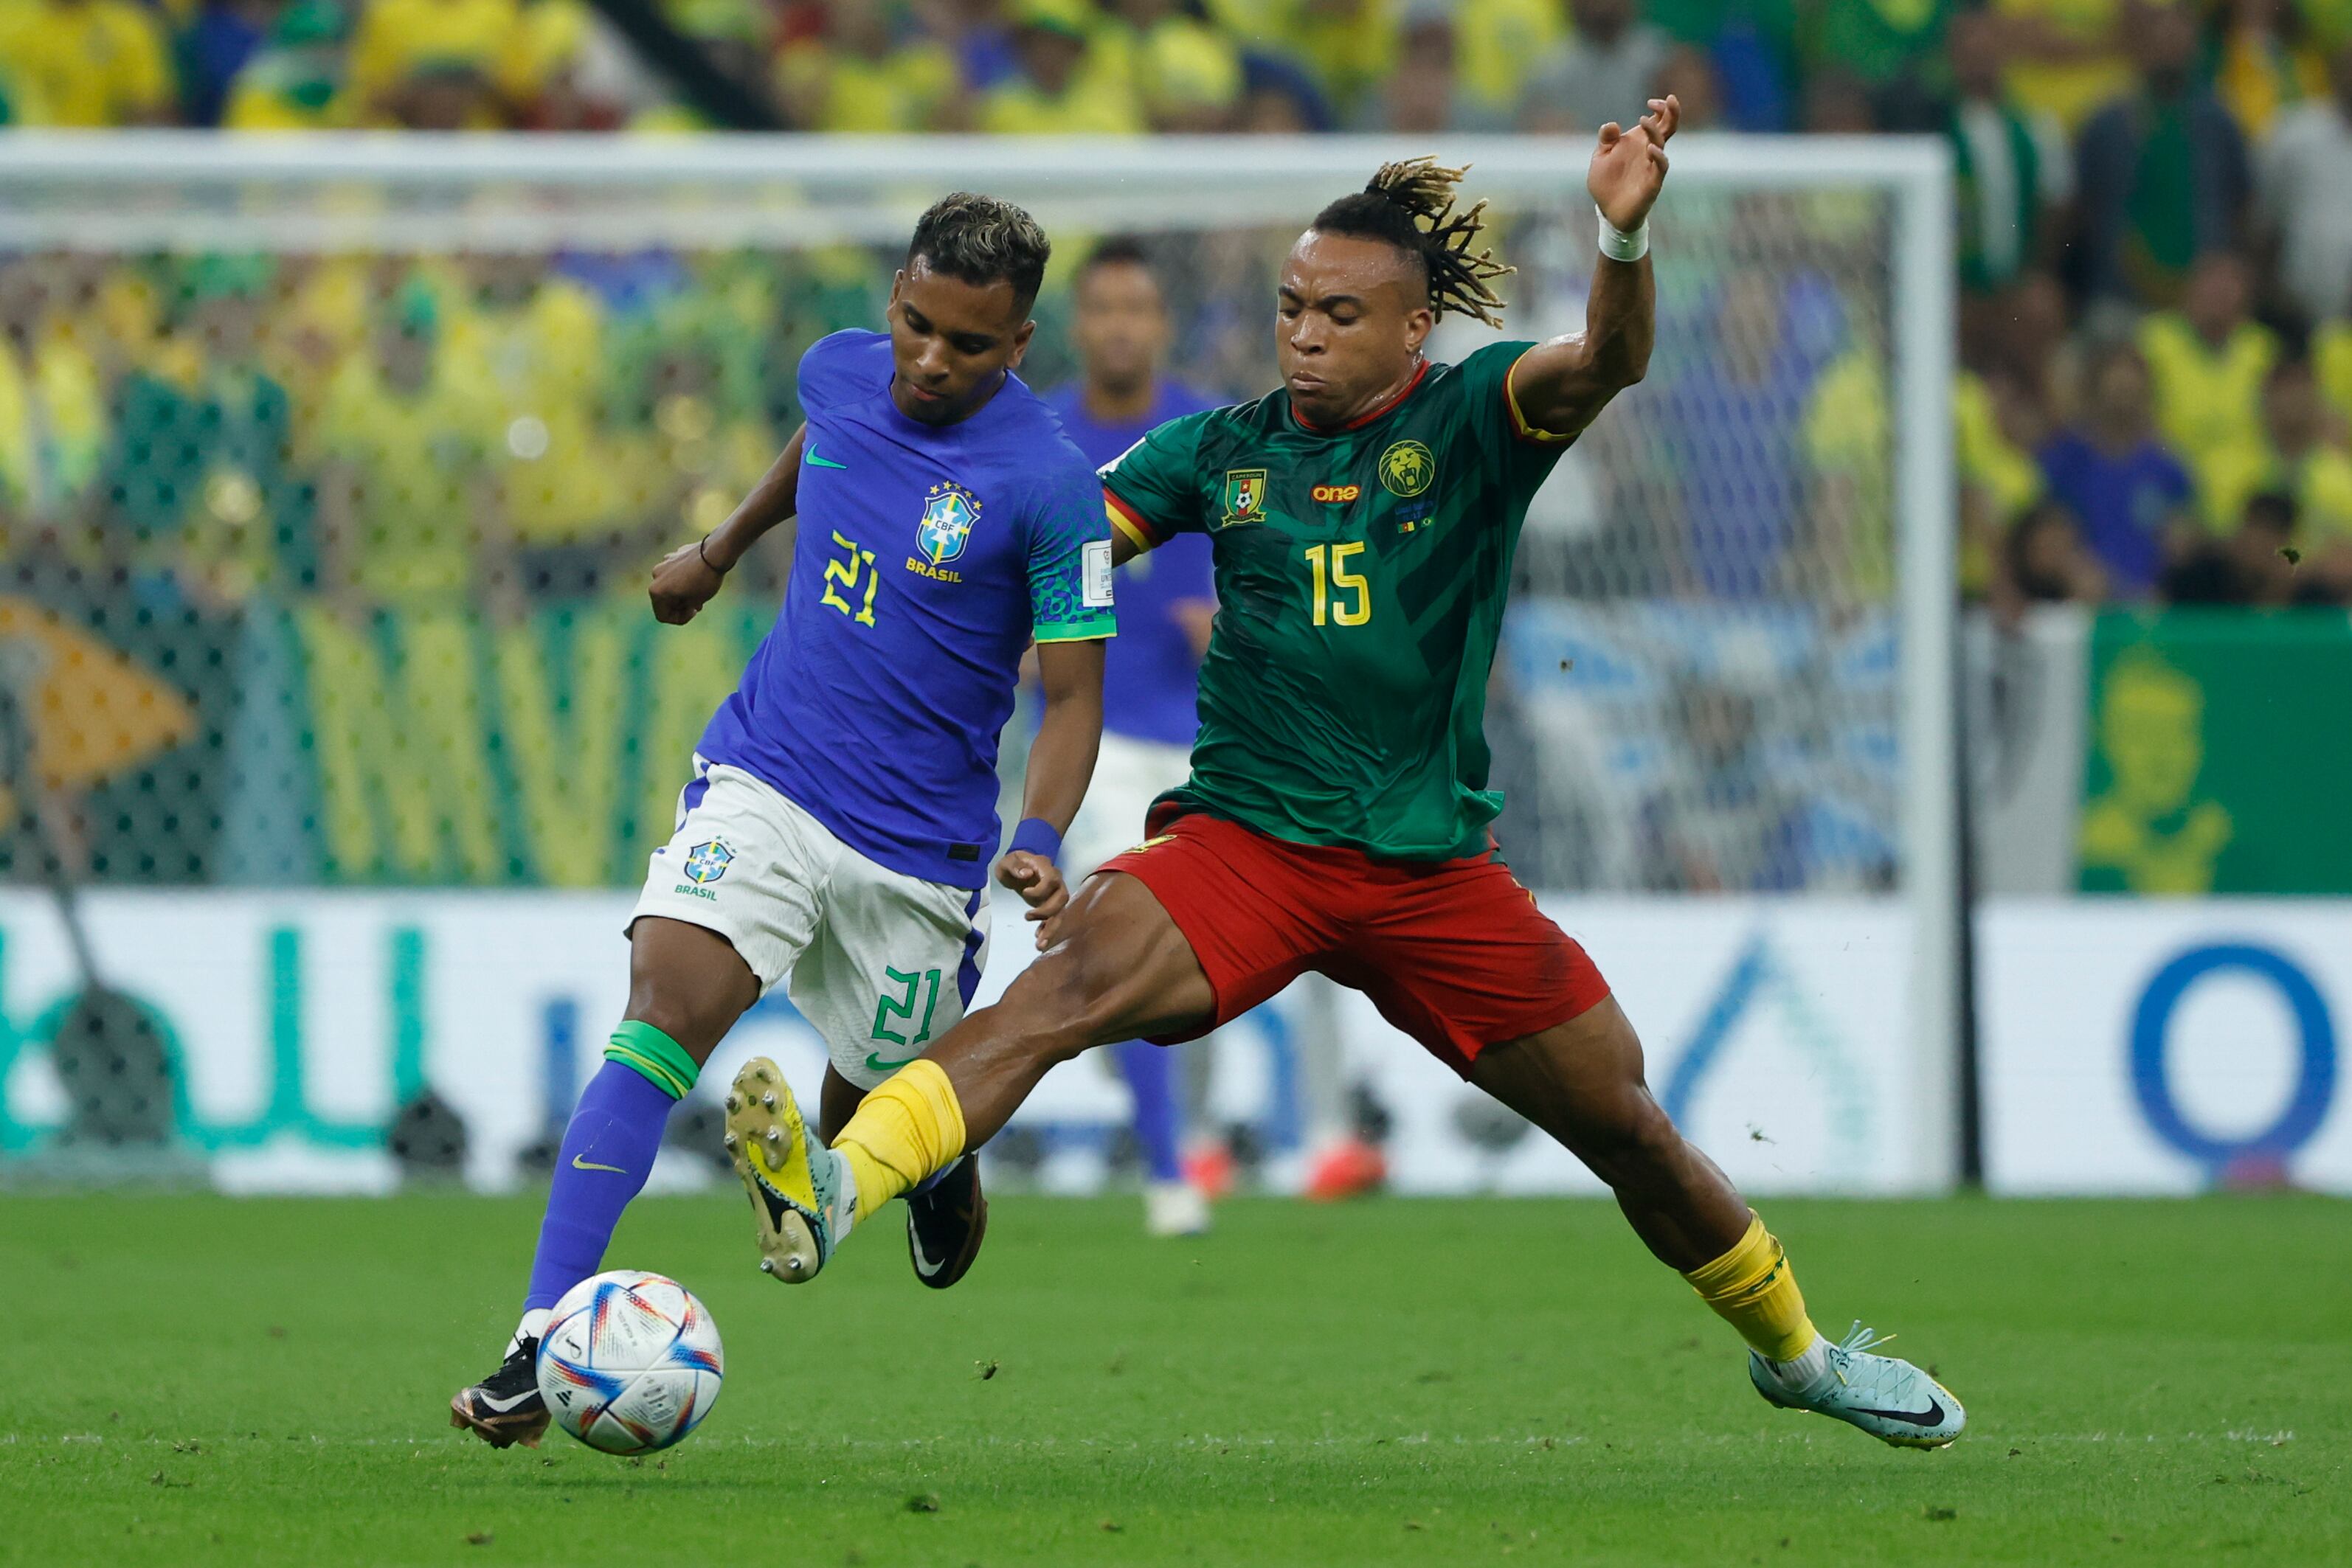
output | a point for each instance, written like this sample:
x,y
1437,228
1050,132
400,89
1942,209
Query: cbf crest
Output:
x,y
949,512
708,861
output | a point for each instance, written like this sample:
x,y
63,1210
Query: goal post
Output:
x,y
1731,662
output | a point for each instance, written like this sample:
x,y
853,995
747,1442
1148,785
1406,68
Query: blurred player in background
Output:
x,y
1168,601
838,826
1364,518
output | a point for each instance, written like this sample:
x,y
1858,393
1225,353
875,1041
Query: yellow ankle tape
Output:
x,y
1753,1289
908,1128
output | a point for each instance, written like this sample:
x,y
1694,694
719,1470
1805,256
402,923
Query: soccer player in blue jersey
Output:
x,y
1167,600
836,833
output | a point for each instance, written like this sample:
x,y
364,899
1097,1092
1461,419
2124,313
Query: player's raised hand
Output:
x,y
683,584
1039,882
1629,166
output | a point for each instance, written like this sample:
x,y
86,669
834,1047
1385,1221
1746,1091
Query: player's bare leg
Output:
x,y
687,988
837,1103
1120,968
1582,1083
687,982
1122,971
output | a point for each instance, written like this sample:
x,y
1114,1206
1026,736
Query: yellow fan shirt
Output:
x,y
99,64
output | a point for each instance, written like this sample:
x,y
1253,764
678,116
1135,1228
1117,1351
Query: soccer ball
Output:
x,y
630,1362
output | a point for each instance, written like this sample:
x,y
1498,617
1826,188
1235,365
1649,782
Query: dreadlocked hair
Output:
x,y
1410,205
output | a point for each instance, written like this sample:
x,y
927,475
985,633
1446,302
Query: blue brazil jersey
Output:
x,y
1150,673
926,559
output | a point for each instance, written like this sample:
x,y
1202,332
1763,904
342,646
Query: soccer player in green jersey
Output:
x,y
1362,519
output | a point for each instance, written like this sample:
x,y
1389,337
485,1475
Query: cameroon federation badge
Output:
x,y
1244,495
1406,469
949,513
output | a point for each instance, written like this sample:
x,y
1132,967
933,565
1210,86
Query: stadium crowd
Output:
x,y
2156,258
2153,404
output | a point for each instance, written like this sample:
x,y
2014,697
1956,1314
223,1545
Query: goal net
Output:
x,y
330,469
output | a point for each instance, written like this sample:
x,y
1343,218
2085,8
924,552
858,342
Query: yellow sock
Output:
x,y
1752,1288
906,1130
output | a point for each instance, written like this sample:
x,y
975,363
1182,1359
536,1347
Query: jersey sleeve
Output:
x,y
1488,377
1153,490
829,371
1069,558
1496,422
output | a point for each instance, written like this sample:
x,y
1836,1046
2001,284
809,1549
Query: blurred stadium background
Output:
x,y
1929,695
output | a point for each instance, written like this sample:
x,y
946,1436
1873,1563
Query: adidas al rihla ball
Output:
x,y
630,1362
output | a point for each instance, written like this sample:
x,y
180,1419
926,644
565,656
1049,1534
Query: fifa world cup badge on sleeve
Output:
x,y
1094,587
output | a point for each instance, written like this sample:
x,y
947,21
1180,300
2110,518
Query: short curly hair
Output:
x,y
980,240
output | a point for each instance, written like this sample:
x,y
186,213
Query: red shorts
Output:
x,y
1454,953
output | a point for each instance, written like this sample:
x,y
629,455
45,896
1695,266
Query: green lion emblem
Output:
x,y
1407,468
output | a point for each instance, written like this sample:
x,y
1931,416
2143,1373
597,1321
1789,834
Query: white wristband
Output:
x,y
1618,245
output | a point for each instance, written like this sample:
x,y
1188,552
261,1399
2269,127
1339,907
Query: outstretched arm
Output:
x,y
689,577
1061,763
1559,387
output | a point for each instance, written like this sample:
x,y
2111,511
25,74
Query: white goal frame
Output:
x,y
177,191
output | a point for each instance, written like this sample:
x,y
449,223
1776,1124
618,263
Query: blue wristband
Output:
x,y
1038,837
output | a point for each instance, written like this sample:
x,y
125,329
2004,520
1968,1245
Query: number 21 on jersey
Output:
x,y
843,574
1335,585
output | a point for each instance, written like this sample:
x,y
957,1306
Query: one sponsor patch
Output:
x,y
1338,493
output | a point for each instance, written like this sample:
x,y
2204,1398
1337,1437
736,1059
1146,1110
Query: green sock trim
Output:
x,y
646,1051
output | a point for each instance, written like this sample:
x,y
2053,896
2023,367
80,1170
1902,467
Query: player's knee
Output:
x,y
696,1023
1063,1005
1628,1137
687,982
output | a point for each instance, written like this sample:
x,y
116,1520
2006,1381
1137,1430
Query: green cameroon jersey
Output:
x,y
1361,578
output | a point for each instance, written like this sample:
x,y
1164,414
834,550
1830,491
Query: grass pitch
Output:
x,y
199,1380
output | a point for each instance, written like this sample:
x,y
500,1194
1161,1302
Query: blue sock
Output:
x,y
608,1151
1150,1074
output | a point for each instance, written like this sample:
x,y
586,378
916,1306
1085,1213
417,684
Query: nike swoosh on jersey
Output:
x,y
874,1062
824,462
1931,1417
582,1165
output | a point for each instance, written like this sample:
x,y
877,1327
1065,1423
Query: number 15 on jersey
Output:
x,y
1336,586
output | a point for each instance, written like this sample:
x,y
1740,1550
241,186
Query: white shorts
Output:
x,y
879,962
1130,774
